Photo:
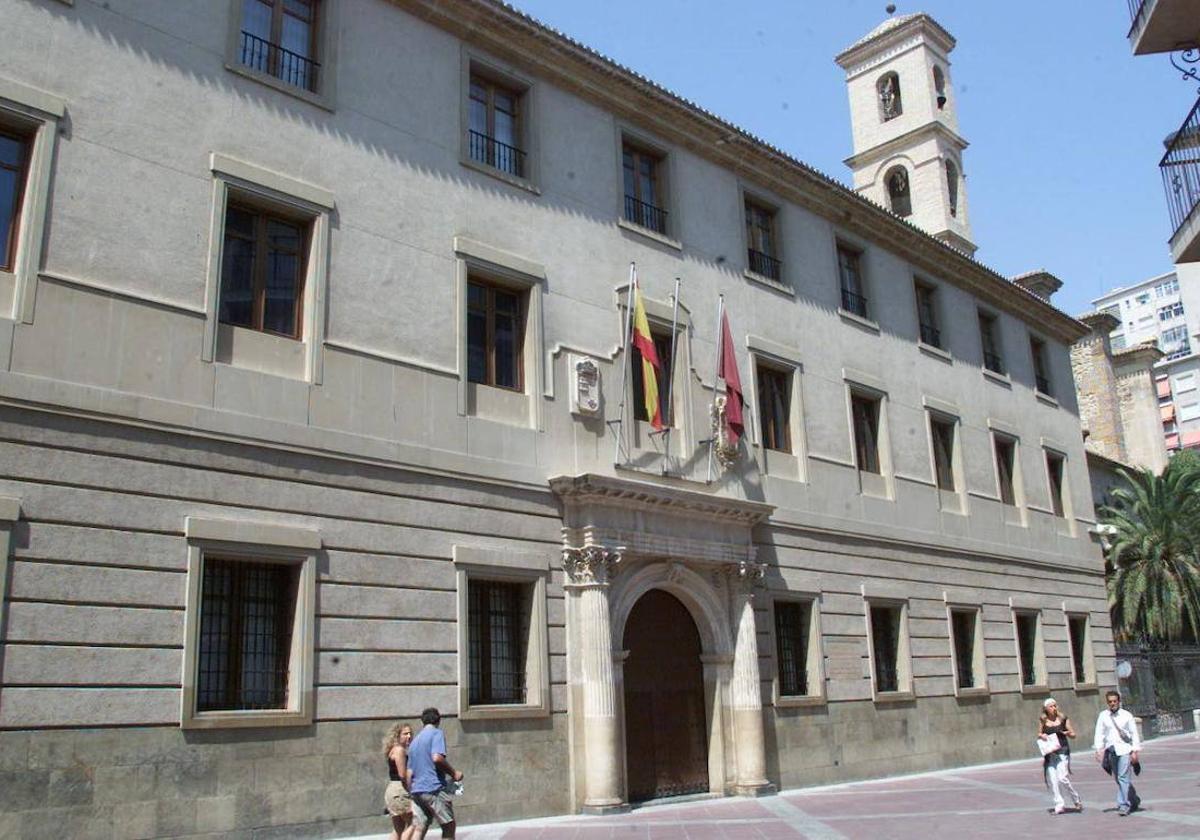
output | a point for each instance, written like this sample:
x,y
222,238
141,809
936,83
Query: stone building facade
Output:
x,y
311,379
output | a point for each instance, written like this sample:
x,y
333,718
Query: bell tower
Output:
x,y
907,149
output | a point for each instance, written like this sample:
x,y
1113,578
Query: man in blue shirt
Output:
x,y
428,769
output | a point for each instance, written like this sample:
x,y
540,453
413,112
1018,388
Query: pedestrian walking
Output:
x,y
1116,745
396,796
1056,766
429,768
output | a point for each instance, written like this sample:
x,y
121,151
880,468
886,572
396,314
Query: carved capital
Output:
x,y
746,576
590,564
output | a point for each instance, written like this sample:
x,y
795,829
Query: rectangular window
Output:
x,y
1006,454
262,271
865,413
279,38
793,622
498,618
1185,382
1029,647
965,640
1041,371
854,297
1171,311
990,340
927,319
1054,470
760,240
775,407
885,646
246,619
495,335
941,432
644,196
1190,411
662,347
14,160
1082,663
494,126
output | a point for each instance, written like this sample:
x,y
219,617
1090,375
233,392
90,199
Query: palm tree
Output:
x,y
1153,554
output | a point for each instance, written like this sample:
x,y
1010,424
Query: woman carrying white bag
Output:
x,y
1055,728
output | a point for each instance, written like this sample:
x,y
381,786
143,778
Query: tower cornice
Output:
x,y
895,33
905,140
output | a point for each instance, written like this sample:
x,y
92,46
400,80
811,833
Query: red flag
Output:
x,y
727,368
651,367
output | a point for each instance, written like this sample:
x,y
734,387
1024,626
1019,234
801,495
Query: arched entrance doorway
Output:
x,y
666,749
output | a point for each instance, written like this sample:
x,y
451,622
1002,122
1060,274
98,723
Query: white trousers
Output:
x,y
1059,779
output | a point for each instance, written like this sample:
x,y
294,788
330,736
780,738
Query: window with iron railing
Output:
x,y
263,270
792,622
990,340
760,240
643,190
853,294
279,38
498,628
885,647
1041,373
494,132
245,642
927,319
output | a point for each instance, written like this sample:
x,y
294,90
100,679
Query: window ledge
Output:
x,y
800,702
858,320
501,175
773,285
503,712
1002,379
895,697
1040,688
660,238
1046,398
241,720
1088,686
317,99
967,693
936,352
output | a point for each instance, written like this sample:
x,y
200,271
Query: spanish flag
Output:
x,y
651,367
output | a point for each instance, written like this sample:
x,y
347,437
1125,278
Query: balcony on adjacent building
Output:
x,y
1158,26
1180,168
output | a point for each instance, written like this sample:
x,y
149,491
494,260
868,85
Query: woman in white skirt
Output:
x,y
1057,765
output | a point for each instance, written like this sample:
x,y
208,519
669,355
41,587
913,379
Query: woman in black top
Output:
x,y
1057,765
396,797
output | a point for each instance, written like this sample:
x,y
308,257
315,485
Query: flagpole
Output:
x,y
626,362
712,438
671,379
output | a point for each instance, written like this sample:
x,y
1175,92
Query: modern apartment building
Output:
x,y
316,409
1164,311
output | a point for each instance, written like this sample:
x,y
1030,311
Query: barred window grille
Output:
x,y
791,641
1027,644
885,640
246,615
963,622
498,627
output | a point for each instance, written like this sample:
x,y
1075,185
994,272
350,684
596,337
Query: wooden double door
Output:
x,y
666,743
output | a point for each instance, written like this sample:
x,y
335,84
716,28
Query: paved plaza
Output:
x,y
1001,801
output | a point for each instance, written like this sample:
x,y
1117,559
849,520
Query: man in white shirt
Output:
x,y
1116,733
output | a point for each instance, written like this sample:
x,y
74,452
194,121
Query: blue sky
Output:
x,y
1065,124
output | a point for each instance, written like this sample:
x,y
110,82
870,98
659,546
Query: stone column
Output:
x,y
745,690
588,570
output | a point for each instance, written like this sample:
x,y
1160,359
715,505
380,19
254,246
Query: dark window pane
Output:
x,y
885,642
237,280
506,350
1027,645
1054,466
246,616
478,115
1077,627
256,19
964,646
866,433
1005,453
943,453
12,151
9,194
497,630
774,408
791,640
477,346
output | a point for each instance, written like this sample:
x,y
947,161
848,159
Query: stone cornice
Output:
x,y
1137,358
520,39
904,141
887,36
1100,321
607,491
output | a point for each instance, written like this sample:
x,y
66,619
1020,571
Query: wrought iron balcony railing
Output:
x,y
854,303
1043,385
993,362
491,151
645,215
1180,168
274,60
764,264
931,335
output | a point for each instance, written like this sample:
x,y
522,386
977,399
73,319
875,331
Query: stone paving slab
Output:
x,y
1001,801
